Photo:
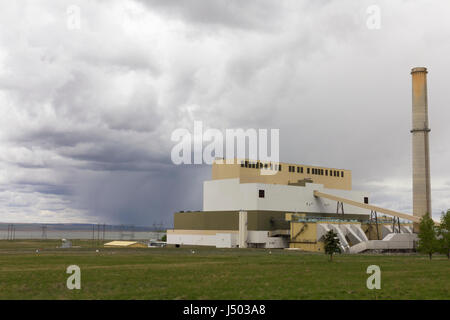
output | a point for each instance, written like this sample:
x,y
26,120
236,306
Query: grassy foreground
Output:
x,y
208,273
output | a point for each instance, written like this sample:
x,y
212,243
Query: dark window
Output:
x,y
366,200
265,165
246,164
301,169
279,167
307,170
242,164
342,174
261,193
298,169
326,172
321,172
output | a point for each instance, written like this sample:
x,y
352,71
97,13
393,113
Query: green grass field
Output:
x,y
176,273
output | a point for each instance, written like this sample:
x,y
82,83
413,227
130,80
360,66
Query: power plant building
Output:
x,y
283,205
276,206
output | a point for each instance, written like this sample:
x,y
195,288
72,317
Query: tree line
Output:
x,y
434,238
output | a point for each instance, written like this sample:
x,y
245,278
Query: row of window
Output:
x,y
262,194
316,171
277,167
259,165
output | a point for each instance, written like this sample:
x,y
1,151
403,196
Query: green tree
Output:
x,y
331,244
444,234
164,238
427,236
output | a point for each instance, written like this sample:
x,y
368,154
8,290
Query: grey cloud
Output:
x,y
141,198
87,115
246,15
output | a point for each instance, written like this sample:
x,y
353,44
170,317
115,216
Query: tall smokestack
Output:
x,y
420,145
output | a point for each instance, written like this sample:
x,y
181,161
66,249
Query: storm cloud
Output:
x,y
86,114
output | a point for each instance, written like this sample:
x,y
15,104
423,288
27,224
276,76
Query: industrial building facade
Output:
x,y
281,173
279,205
244,205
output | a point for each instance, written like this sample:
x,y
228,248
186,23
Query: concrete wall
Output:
x,y
420,145
192,239
343,180
259,239
229,220
230,194
226,240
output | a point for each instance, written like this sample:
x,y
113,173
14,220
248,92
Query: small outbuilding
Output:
x,y
125,244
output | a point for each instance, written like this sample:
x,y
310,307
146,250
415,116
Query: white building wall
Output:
x,y
228,240
229,194
192,239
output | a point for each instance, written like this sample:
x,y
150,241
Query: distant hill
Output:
x,y
76,227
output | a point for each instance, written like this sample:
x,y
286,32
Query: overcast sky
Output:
x,y
87,109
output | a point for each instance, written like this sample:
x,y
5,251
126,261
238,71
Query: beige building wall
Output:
x,y
420,144
284,173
